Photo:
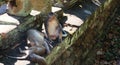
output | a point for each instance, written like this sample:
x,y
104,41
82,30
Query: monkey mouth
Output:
x,y
53,37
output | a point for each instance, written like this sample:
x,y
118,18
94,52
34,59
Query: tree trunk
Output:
x,y
80,48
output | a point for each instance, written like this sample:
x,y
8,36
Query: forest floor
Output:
x,y
109,52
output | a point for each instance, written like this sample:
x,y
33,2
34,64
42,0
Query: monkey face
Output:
x,y
53,28
12,3
53,32
14,6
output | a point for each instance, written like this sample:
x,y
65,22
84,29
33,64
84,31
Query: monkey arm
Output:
x,y
46,47
37,50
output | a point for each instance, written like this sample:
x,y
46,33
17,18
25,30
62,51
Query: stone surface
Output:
x,y
73,21
64,3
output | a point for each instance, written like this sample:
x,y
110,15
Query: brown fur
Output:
x,y
25,6
14,9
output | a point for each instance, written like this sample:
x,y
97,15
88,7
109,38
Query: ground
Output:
x,y
109,52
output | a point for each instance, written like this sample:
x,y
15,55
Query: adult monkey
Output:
x,y
24,7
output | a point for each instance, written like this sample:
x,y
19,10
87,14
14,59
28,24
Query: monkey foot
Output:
x,y
64,33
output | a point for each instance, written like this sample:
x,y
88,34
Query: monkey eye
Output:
x,y
13,3
57,27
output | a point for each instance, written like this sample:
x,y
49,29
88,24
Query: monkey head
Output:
x,y
17,7
52,26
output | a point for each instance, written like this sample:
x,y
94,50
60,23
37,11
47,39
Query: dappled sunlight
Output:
x,y
21,62
72,23
6,28
1,64
6,18
54,9
74,20
7,23
34,12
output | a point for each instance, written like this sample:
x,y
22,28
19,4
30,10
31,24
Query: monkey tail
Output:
x,y
19,58
32,57
38,59
23,57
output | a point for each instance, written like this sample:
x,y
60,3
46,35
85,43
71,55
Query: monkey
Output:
x,y
36,39
38,47
24,7
53,28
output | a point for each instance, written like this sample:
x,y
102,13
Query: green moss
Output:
x,y
0,41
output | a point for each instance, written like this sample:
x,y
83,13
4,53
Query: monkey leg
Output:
x,y
37,59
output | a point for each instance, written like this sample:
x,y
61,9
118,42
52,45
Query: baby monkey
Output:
x,y
53,28
36,41
38,47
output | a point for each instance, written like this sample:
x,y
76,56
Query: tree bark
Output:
x,y
80,48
